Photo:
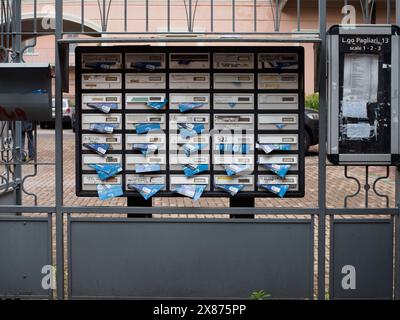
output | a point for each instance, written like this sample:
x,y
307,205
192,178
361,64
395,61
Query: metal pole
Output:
x,y
397,199
322,151
59,155
16,46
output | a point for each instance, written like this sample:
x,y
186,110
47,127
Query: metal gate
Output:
x,y
290,252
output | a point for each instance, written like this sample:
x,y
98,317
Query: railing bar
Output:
x,y
83,15
147,15
255,15
190,16
233,15
126,15
388,14
35,16
298,15
212,15
169,15
277,24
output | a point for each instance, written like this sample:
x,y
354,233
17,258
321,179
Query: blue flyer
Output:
x,y
191,170
146,191
109,191
105,171
232,189
102,127
183,107
142,128
99,148
191,191
278,169
279,189
141,168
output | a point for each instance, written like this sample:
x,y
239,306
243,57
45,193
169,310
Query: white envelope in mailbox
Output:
x,y
233,60
145,81
101,81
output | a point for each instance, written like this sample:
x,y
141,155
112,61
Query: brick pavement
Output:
x,y
43,184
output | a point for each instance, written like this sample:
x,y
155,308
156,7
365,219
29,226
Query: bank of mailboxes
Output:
x,y
235,106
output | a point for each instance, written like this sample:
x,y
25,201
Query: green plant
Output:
x,y
312,101
259,295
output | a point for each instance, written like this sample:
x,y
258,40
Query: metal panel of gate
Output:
x,y
361,259
25,249
191,258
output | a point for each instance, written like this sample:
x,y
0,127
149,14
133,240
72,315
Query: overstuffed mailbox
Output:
x,y
194,122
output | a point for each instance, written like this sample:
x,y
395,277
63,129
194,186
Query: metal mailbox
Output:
x,y
102,61
234,81
278,122
97,81
278,81
199,101
247,181
91,100
132,160
177,180
145,81
234,121
287,159
142,101
113,140
189,81
233,61
131,120
90,181
280,139
281,61
150,179
187,60
145,61
88,159
244,101
89,119
278,101
291,180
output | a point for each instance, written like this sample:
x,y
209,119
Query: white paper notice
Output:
x,y
358,130
355,109
360,80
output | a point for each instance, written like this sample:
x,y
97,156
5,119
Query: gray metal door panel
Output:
x,y
24,250
188,259
367,245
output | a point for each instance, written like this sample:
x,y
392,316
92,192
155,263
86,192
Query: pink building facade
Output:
x,y
157,22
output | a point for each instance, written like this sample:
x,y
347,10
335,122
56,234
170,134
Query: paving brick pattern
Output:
x,y
43,183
